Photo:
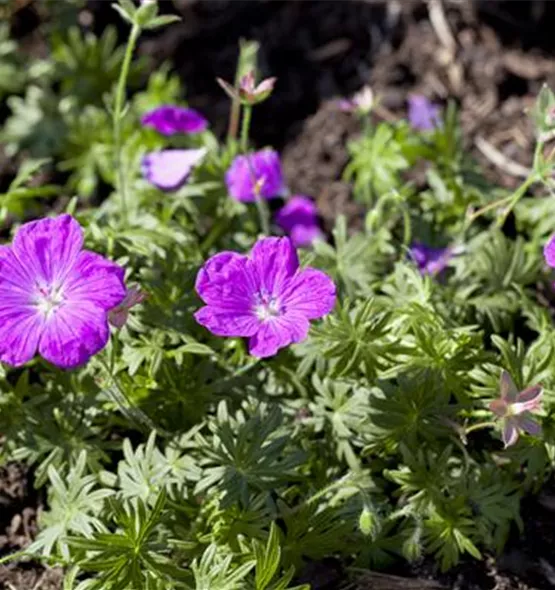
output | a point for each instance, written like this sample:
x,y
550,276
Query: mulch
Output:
x,y
491,56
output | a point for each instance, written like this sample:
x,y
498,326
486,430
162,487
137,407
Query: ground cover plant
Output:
x,y
211,390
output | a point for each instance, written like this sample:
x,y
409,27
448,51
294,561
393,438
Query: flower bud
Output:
x,y
147,11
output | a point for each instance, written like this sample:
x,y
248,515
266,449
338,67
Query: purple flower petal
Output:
x,y
275,261
117,315
549,252
48,248
169,169
298,210
508,391
299,218
304,236
510,432
311,292
278,333
97,280
226,282
423,114
527,423
170,119
264,296
528,400
20,331
260,170
75,333
430,260
54,297
226,322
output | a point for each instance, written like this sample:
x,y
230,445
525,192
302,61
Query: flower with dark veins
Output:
x,y
264,296
55,296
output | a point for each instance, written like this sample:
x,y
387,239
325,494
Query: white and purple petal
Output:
x,y
169,169
510,432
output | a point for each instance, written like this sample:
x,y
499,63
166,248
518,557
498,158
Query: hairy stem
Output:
x,y
261,207
118,113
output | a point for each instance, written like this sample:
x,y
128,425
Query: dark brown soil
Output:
x,y
20,505
490,55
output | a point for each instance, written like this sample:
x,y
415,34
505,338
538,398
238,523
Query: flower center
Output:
x,y
49,298
266,307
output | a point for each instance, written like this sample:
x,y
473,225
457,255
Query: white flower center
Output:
x,y
267,307
49,299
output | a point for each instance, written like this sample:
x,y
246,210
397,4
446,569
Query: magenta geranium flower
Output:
x,y
170,119
55,296
549,252
257,172
265,296
430,260
170,169
299,218
424,115
514,407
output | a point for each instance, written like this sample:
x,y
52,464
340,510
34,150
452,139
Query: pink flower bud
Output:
x,y
119,314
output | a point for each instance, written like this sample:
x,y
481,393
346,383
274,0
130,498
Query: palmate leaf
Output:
x,y
145,472
74,508
358,338
133,557
313,531
217,572
448,537
268,560
354,261
492,277
339,410
377,159
88,66
246,453
410,412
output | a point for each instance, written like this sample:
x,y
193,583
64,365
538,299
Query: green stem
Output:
x,y
128,408
263,213
513,198
118,115
245,126
261,207
479,426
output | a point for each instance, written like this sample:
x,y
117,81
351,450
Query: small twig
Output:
x,y
38,585
441,26
501,160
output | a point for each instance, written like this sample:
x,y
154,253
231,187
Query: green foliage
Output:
x,y
173,460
